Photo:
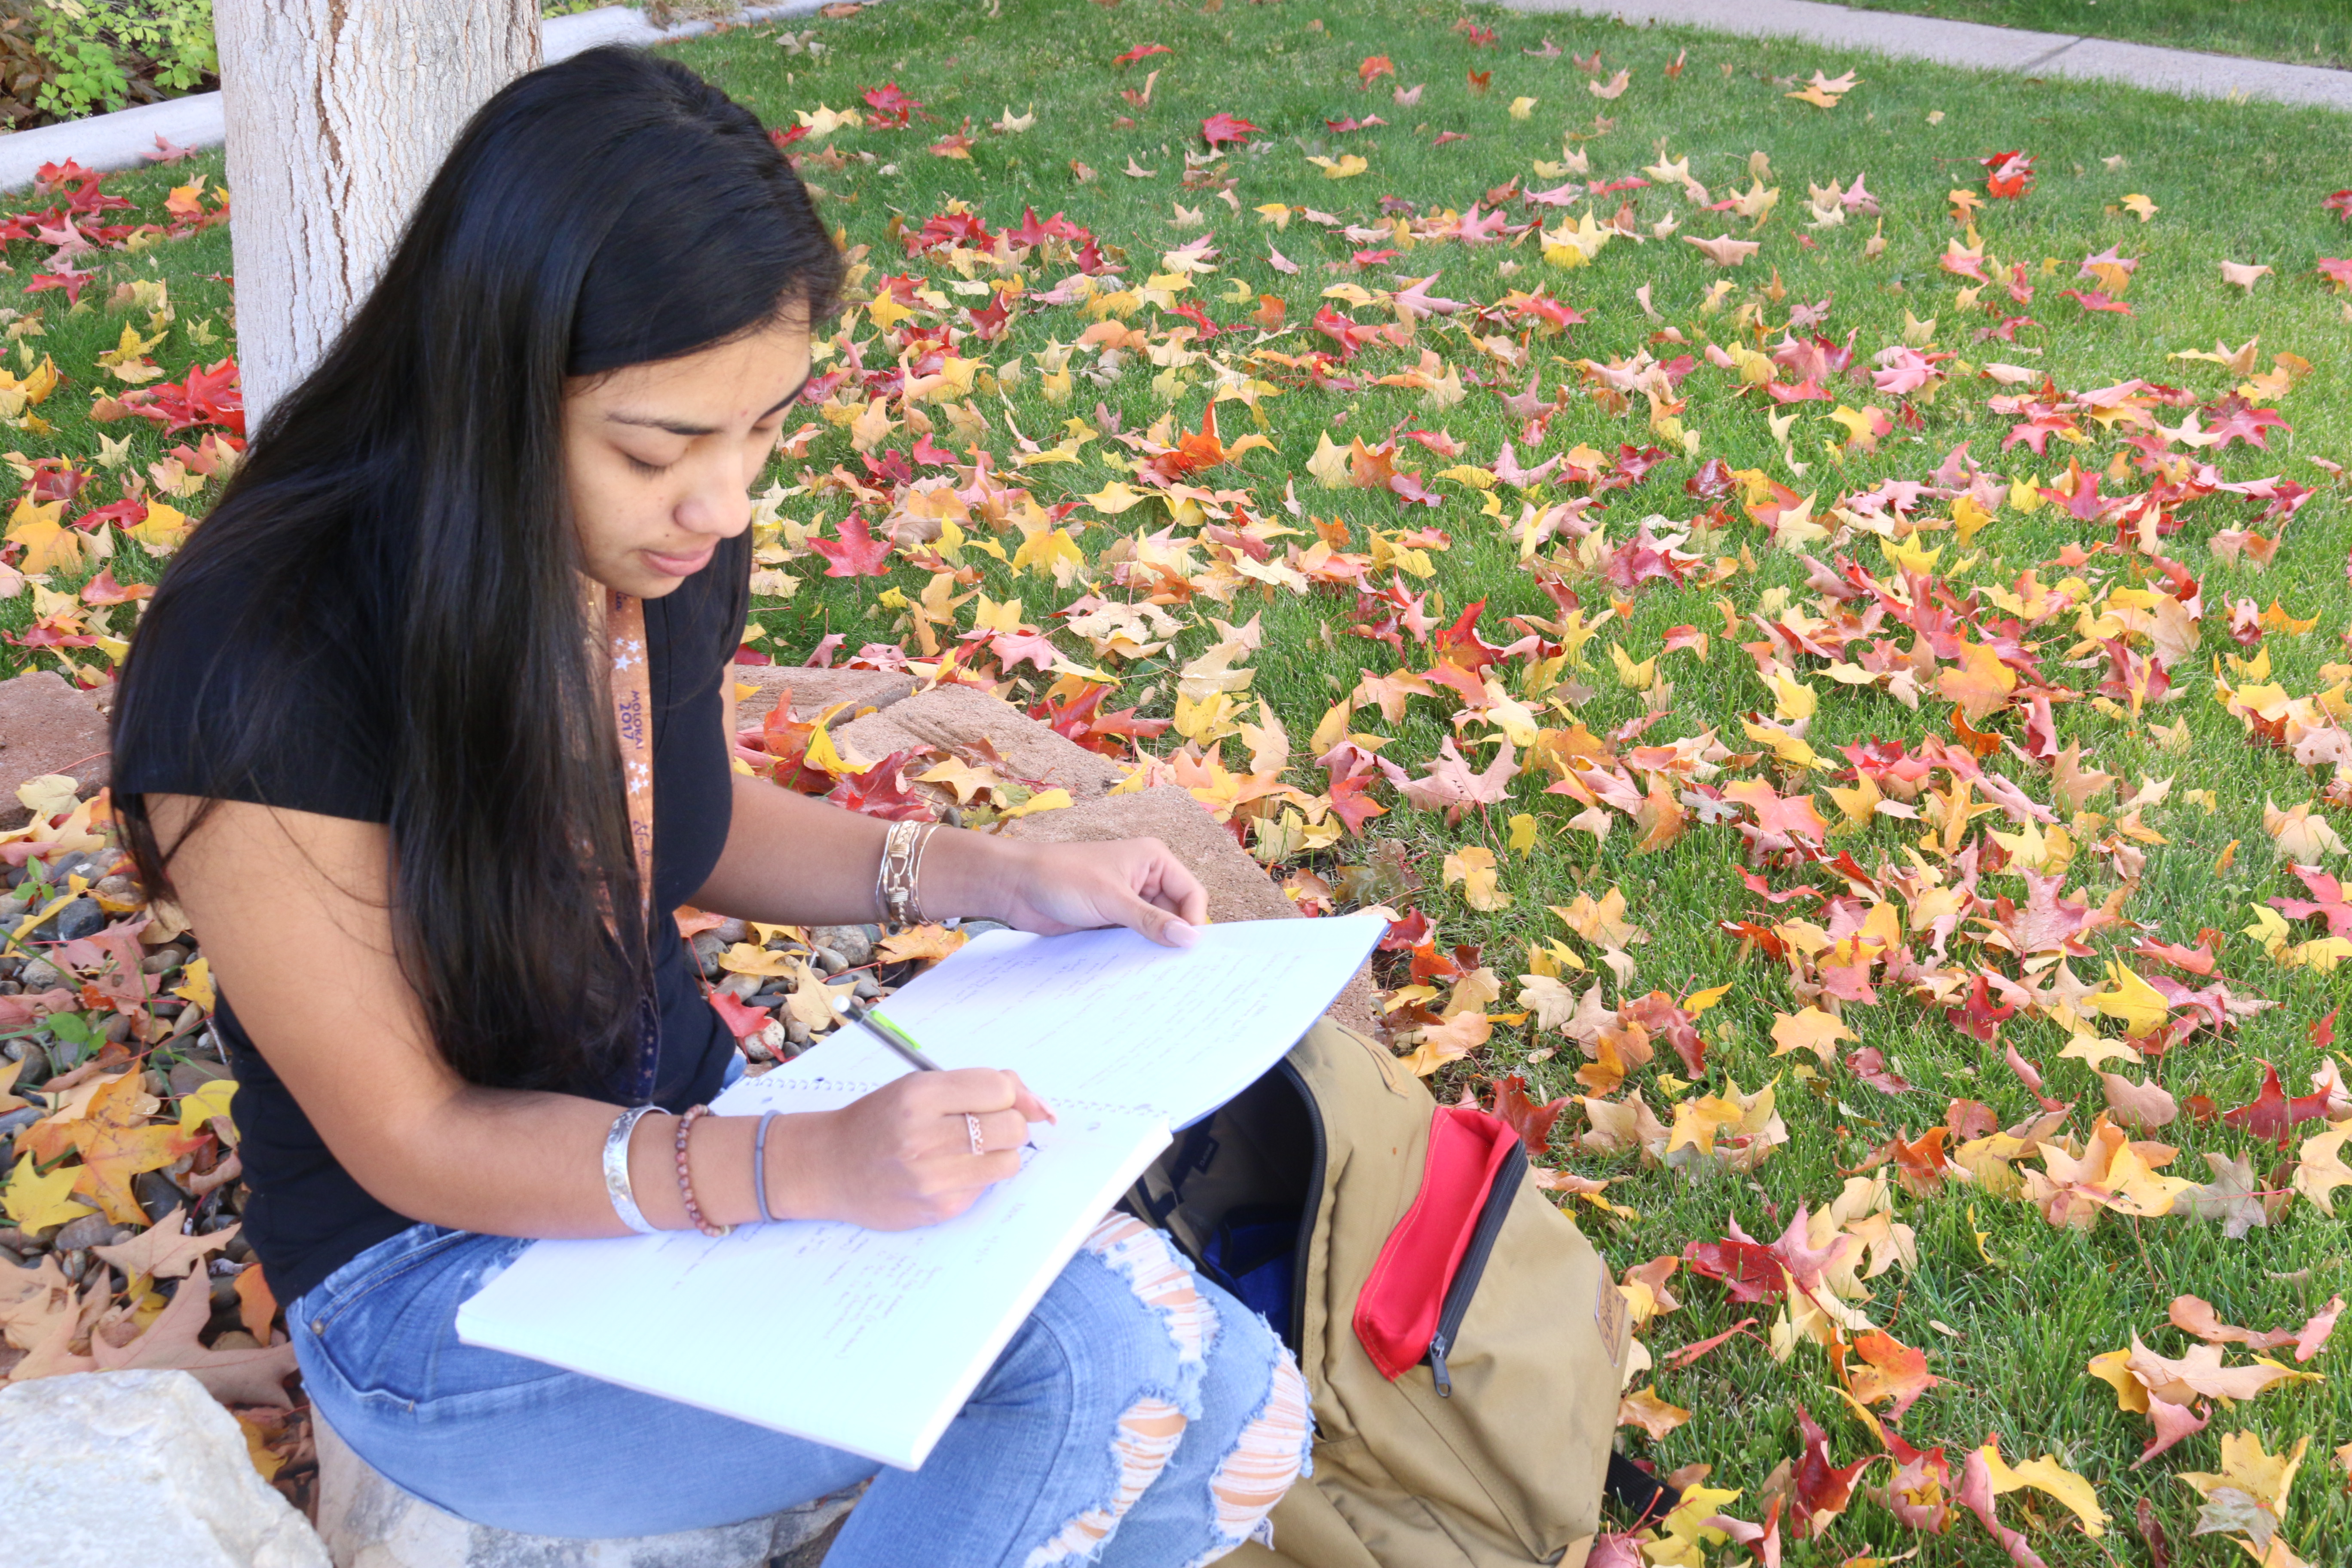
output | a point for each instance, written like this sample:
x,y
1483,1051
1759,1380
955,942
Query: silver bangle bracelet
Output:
x,y
616,1169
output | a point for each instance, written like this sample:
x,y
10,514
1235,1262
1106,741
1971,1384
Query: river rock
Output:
x,y
129,1470
80,918
370,1522
855,943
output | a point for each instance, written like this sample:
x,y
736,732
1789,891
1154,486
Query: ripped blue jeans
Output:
x,y
1141,1416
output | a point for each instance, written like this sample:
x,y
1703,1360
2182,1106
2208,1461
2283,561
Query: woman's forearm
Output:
x,y
793,859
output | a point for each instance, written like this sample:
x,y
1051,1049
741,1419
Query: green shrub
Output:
x,y
62,60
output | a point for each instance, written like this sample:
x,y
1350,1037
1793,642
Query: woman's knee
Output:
x,y
1270,1454
1148,1366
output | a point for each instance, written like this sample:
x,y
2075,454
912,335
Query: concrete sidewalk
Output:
x,y
2186,72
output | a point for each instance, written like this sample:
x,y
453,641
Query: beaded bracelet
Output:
x,y
686,1182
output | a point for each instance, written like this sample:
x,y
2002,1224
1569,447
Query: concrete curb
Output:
x,y
1971,44
124,140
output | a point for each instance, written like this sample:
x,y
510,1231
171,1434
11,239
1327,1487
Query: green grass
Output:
x,y
2231,181
2304,32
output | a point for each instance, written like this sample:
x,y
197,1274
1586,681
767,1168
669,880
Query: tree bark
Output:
x,y
338,113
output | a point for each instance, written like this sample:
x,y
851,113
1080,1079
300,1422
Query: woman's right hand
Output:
x,y
901,1157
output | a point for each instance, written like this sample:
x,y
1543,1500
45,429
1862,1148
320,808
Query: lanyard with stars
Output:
x,y
624,631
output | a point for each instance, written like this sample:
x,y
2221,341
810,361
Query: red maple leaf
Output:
x,y
2095,300
2008,175
857,554
741,1021
2271,1114
2240,421
209,395
1220,128
1822,1489
1140,51
1375,68
2326,901
883,790
1530,1121
1406,932
2340,203
1748,1271
1977,1015
891,108
1081,719
1479,79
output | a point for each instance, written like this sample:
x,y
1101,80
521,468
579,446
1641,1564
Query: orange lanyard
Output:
x,y
625,636
624,631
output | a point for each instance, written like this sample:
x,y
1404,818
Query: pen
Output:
x,y
903,1043
891,1035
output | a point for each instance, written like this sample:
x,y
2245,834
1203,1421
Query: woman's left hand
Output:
x,y
1133,882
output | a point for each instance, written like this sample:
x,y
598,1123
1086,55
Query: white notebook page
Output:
x,y
1109,1015
872,1341
864,1340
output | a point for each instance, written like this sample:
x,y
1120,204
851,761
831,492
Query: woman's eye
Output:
x,y
641,466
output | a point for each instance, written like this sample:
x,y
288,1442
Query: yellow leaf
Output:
x,y
206,1101
195,987
921,942
163,528
1473,867
1525,832
49,545
1791,699
36,1202
748,958
1811,1030
1044,800
2133,1003
1698,1001
2047,1475
1345,167
1116,497
1522,107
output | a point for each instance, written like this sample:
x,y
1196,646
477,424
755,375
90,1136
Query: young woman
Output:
x,y
426,731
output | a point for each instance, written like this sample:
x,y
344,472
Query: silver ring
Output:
x,y
972,1124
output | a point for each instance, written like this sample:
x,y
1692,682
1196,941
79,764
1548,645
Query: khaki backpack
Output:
x,y
1288,1196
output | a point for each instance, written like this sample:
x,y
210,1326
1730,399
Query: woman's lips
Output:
x,y
679,566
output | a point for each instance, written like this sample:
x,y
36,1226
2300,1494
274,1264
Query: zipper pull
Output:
x,y
1437,1348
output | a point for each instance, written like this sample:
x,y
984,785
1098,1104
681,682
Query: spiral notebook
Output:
x,y
872,1341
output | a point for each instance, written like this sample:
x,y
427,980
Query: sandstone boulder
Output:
x,y
370,1522
48,727
137,1469
1238,887
814,691
952,716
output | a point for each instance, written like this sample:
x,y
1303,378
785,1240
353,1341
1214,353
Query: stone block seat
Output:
x,y
368,1521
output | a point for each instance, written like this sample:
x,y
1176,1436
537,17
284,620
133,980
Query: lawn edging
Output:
x,y
2187,73
126,139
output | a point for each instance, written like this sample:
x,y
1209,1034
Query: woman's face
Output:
x,y
661,458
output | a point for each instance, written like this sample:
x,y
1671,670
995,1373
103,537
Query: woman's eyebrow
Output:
x,y
680,428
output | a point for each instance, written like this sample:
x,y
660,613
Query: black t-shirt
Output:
x,y
307,1216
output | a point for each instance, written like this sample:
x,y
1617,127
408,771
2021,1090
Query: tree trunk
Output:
x,y
338,113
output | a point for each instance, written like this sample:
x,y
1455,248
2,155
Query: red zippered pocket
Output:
x,y
1401,1312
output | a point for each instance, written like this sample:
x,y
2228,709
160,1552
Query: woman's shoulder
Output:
x,y
244,685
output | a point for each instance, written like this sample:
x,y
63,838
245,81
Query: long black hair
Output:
x,y
611,210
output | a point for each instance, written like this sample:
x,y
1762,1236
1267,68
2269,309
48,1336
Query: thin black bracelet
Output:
x,y
760,1165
